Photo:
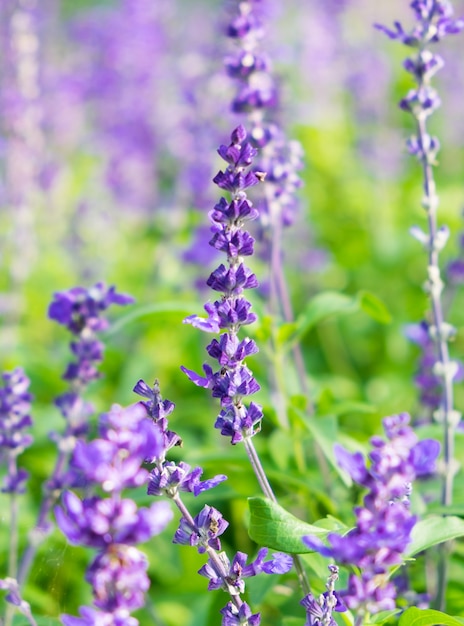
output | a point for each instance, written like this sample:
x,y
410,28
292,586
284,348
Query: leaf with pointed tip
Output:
x,y
383,616
428,617
272,526
160,308
374,307
318,308
432,531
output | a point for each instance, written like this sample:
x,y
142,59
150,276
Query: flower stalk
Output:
x,y
434,21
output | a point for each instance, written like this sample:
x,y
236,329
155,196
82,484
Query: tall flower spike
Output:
x,y
81,311
281,159
257,98
384,523
319,612
112,524
203,530
15,405
434,20
233,380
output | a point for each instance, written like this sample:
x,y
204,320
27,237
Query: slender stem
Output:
x,y
258,469
212,554
268,492
13,549
430,203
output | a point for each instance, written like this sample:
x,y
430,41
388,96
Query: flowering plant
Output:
x,y
275,500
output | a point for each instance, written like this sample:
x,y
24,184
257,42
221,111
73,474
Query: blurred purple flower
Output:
x,y
114,525
15,404
384,523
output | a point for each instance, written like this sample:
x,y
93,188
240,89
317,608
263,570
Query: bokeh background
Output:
x,y
110,116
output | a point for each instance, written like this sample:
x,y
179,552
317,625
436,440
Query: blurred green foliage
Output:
x,y
359,368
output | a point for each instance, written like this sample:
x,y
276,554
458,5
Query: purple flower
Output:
x,y
427,382
257,97
113,524
80,308
232,616
81,311
119,578
92,617
207,527
15,404
238,570
234,380
434,21
172,477
99,523
384,523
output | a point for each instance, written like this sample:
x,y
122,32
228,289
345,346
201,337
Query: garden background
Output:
x,y
123,105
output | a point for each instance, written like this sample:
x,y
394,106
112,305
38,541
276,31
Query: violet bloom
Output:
x,y
168,478
238,570
319,611
257,98
428,383
205,530
15,404
233,381
14,420
384,523
232,616
113,524
81,311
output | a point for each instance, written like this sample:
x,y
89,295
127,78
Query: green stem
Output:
x,y
268,492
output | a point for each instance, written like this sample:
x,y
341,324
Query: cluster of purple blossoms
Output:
x,y
234,380
257,97
385,521
111,523
15,404
434,20
319,611
202,531
80,310
427,382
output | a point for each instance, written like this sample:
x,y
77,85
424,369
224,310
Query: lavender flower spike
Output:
x,y
384,523
112,524
14,419
234,380
319,611
433,21
80,310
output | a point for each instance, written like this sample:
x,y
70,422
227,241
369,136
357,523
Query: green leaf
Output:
x,y
41,621
432,531
428,617
286,331
274,527
374,307
318,308
152,309
383,616
324,429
